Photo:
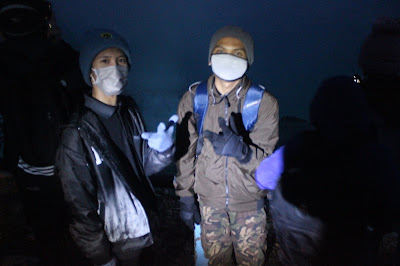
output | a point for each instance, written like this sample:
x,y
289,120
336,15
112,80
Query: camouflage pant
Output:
x,y
243,233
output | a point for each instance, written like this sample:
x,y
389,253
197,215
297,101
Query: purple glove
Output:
x,y
270,169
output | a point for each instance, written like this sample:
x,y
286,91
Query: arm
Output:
x,y
160,146
186,141
80,194
152,160
155,161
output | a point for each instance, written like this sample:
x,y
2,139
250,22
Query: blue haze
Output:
x,y
297,43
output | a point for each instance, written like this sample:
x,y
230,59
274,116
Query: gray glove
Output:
x,y
228,142
189,211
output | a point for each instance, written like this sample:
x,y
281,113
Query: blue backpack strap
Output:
x,y
200,105
251,105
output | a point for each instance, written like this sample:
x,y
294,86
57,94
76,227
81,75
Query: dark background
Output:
x,y
297,43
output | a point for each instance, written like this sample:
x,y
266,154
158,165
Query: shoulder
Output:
x,y
268,98
71,131
188,96
127,100
269,103
192,87
191,91
130,104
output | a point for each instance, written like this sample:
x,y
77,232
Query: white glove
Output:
x,y
162,139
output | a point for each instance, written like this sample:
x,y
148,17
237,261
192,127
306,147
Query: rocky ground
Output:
x,y
175,245
18,246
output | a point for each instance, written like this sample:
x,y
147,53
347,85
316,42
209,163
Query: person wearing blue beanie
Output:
x,y
94,42
106,156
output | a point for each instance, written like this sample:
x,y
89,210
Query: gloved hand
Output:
x,y
189,212
228,142
270,169
162,139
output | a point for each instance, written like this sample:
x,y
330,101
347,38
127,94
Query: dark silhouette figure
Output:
x,y
337,192
41,87
379,60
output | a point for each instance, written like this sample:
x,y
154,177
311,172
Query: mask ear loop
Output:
x,y
91,76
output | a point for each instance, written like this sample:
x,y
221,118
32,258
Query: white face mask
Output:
x,y
111,80
228,67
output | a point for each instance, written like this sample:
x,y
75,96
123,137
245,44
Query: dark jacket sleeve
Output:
x,y
80,194
153,161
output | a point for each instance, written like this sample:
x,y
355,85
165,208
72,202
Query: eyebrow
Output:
x,y
218,46
109,56
104,56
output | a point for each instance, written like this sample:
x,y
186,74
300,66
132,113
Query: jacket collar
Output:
x,y
100,108
236,92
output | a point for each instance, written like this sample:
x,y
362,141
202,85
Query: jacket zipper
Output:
x,y
226,157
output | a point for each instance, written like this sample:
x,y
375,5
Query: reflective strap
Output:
x,y
200,105
251,105
96,156
35,170
17,6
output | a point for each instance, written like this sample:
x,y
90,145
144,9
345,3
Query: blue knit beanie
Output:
x,y
95,41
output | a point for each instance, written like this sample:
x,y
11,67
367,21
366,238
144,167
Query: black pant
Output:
x,y
46,213
134,259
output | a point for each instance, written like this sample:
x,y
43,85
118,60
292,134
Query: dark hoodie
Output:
x,y
338,176
332,168
41,87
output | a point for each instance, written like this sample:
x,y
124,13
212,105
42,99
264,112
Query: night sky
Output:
x,y
297,43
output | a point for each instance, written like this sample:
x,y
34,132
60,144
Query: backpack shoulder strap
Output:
x,y
200,104
251,105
